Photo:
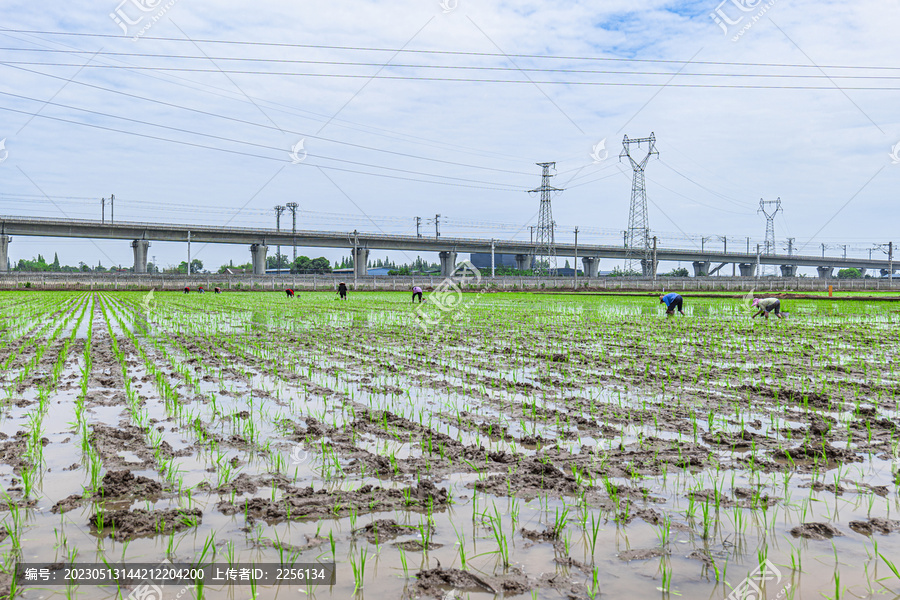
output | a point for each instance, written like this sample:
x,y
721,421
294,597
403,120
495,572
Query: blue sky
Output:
x,y
225,156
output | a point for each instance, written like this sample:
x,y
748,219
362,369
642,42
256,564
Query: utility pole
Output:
x,y
790,246
546,243
638,247
103,210
625,239
748,244
493,270
824,245
189,253
757,263
845,250
891,262
278,210
653,265
418,225
575,270
437,225
292,206
703,241
112,209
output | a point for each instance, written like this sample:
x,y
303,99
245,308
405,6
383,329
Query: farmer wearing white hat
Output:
x,y
767,305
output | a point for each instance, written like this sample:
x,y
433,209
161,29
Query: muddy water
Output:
x,y
613,401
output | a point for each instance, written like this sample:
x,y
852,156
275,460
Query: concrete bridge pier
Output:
x,y
747,269
523,262
701,268
258,256
862,271
4,252
788,270
360,261
591,265
448,262
824,272
140,255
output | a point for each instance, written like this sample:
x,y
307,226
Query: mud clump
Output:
x,y
307,503
116,484
816,531
877,524
383,530
125,525
435,583
242,484
641,554
530,479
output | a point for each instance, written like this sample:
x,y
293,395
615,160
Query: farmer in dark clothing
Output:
x,y
767,305
342,290
417,292
187,290
289,292
672,301
217,290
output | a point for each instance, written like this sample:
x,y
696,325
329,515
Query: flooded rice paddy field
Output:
x,y
528,446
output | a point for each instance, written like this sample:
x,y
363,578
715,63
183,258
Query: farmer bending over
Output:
x,y
187,290
217,290
672,301
342,290
417,292
767,305
289,292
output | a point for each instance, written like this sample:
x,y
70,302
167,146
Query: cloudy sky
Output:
x,y
368,114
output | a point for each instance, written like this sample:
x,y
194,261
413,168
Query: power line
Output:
x,y
238,152
269,127
450,52
421,66
455,79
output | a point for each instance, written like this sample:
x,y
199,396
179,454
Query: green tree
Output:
x,y
849,274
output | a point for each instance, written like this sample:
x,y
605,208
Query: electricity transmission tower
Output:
x,y
546,243
292,206
278,210
638,237
769,247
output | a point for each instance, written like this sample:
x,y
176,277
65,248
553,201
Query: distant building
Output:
x,y
380,270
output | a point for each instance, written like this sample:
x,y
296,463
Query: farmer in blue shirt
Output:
x,y
672,301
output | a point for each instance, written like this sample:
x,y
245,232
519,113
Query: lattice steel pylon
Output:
x,y
637,251
769,247
546,242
